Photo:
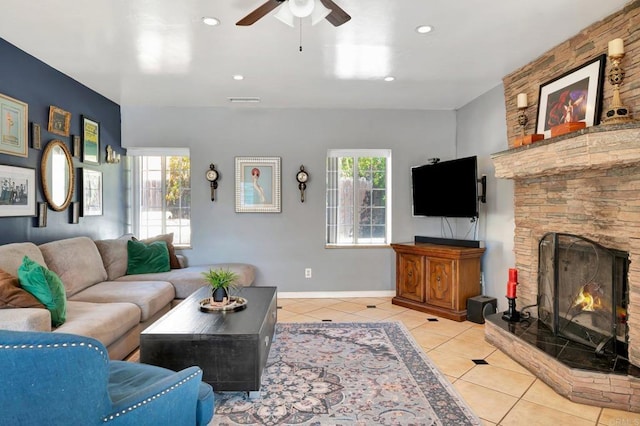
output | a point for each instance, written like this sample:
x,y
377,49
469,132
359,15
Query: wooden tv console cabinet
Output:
x,y
437,279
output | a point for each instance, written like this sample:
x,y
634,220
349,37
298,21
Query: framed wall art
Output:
x,y
76,146
36,141
573,96
258,185
74,213
90,141
59,121
91,192
42,215
13,126
17,191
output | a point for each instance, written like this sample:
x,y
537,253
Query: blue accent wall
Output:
x,y
30,80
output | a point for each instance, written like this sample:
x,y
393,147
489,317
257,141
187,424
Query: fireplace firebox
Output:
x,y
582,292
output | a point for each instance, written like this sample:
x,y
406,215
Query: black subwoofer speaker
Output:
x,y
480,306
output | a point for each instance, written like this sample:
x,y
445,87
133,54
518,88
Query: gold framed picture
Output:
x,y
36,142
59,121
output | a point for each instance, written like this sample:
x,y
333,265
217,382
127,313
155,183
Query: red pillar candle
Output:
x,y
513,275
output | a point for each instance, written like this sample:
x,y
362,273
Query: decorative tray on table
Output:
x,y
236,303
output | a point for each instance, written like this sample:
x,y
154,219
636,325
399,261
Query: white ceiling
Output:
x,y
157,52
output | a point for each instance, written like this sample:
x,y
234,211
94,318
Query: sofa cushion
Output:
x,y
46,286
174,263
147,258
77,262
149,296
11,256
114,256
188,280
106,322
12,296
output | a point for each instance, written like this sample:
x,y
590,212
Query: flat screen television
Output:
x,y
446,189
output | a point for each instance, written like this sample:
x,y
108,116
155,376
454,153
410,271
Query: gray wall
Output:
x,y
282,245
482,132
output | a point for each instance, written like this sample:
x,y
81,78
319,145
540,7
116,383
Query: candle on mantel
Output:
x,y
616,47
522,100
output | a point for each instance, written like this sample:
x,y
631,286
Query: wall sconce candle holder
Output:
x,y
112,156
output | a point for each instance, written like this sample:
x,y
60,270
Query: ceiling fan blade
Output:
x,y
259,12
337,16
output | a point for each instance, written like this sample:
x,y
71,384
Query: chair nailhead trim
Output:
x,y
54,345
151,398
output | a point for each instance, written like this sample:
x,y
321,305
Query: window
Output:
x,y
162,193
358,197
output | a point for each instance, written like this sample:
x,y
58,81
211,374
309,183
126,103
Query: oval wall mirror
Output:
x,y
56,170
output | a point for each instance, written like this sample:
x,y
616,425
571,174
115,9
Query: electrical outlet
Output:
x,y
307,272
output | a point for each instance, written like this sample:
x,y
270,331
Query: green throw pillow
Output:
x,y
147,258
46,286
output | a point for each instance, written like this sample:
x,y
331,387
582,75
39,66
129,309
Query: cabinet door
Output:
x,y
410,276
440,285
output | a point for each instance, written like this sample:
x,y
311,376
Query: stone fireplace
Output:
x,y
585,183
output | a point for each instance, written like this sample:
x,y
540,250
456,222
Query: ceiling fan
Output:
x,y
336,15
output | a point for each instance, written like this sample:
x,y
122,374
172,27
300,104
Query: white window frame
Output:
x,y
332,198
135,154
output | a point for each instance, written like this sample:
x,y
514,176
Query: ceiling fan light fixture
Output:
x,y
319,13
285,16
301,8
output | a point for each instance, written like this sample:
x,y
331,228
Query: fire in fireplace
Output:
x,y
582,292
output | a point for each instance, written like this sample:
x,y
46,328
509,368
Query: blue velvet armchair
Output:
x,y
64,379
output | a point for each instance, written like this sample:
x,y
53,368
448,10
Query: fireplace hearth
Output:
x,y
572,369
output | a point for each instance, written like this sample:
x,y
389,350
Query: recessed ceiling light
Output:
x,y
208,20
389,78
423,29
238,77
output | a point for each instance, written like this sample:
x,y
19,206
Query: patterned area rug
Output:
x,y
346,374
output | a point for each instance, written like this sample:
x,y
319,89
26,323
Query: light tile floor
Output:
x,y
501,392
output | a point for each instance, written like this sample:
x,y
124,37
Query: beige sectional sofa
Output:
x,y
102,301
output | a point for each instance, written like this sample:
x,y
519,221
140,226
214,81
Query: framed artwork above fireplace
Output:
x,y
574,96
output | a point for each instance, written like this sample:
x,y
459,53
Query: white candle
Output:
x,y
616,47
522,100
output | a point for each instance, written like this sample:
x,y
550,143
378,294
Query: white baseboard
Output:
x,y
334,294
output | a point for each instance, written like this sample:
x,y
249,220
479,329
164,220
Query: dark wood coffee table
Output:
x,y
230,347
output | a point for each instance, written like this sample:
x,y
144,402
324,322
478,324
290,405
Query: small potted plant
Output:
x,y
220,281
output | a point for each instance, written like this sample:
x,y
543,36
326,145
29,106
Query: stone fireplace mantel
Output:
x,y
593,148
583,183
